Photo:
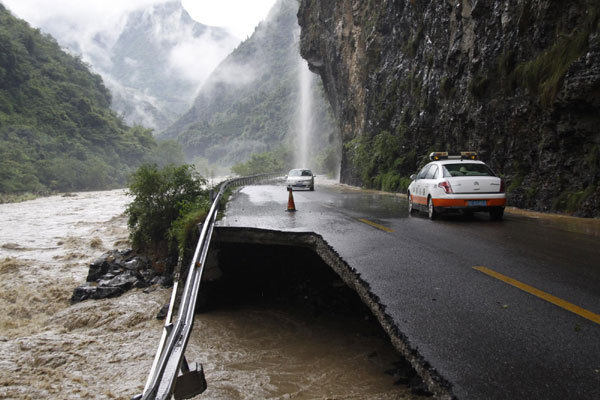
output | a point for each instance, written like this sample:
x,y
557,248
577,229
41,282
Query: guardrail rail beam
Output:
x,y
170,374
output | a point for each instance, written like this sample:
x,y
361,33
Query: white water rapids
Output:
x,y
103,349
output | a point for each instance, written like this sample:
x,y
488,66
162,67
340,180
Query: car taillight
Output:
x,y
502,186
446,186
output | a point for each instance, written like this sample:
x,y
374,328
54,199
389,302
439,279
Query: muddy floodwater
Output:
x,y
102,349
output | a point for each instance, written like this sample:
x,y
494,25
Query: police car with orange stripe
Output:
x,y
459,183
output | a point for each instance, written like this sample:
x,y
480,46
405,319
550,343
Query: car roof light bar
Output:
x,y
470,155
438,155
464,155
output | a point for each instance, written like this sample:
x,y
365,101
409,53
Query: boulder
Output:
x,y
85,292
125,280
116,272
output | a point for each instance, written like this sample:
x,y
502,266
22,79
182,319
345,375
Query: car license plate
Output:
x,y
477,203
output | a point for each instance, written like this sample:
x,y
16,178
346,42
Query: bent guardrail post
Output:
x,y
164,379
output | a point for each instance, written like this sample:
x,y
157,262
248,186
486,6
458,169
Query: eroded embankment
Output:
x,y
302,269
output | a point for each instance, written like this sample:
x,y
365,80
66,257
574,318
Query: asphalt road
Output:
x,y
488,338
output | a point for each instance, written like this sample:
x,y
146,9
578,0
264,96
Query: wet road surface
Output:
x,y
527,329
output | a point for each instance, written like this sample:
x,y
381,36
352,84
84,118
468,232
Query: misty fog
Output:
x,y
134,46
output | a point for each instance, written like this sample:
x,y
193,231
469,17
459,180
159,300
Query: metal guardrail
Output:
x,y
164,379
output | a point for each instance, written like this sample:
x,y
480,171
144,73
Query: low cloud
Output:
x,y
235,74
91,29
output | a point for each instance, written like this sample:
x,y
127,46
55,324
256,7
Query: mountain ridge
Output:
x,y
249,104
153,60
57,131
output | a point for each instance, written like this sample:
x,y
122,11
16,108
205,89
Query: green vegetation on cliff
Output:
x,y
57,131
544,74
379,160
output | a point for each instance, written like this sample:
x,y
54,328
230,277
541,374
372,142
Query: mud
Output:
x,y
48,348
104,349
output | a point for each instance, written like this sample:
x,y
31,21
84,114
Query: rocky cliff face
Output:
x,y
516,80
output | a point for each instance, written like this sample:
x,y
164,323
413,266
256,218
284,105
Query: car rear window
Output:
x,y
300,172
467,169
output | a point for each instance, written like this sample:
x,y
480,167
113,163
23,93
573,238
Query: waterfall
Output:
x,y
305,125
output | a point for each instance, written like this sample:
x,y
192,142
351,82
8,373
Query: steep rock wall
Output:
x,y
516,80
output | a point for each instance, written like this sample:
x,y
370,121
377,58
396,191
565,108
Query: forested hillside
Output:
x,y
250,103
57,131
152,55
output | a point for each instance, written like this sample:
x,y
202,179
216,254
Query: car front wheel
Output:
x,y
431,212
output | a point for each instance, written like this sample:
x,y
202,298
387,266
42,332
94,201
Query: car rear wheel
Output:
x,y
496,214
431,212
411,206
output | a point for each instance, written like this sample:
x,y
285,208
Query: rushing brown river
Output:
x,y
103,349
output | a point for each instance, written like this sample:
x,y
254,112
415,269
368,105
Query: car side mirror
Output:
x,y
413,177
314,176
285,177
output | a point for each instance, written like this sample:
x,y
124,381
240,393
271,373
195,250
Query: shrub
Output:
x,y
165,200
381,160
182,229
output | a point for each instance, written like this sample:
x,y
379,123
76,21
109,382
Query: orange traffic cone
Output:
x,y
291,205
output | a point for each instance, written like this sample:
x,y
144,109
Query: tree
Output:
x,y
161,197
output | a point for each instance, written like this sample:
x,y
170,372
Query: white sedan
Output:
x,y
456,183
300,178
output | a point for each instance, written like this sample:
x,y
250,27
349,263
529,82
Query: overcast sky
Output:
x,y
239,16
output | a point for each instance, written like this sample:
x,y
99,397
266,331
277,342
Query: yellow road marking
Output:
x,y
542,295
374,225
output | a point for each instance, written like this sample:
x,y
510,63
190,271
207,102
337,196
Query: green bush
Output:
x,y
166,201
380,161
182,229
